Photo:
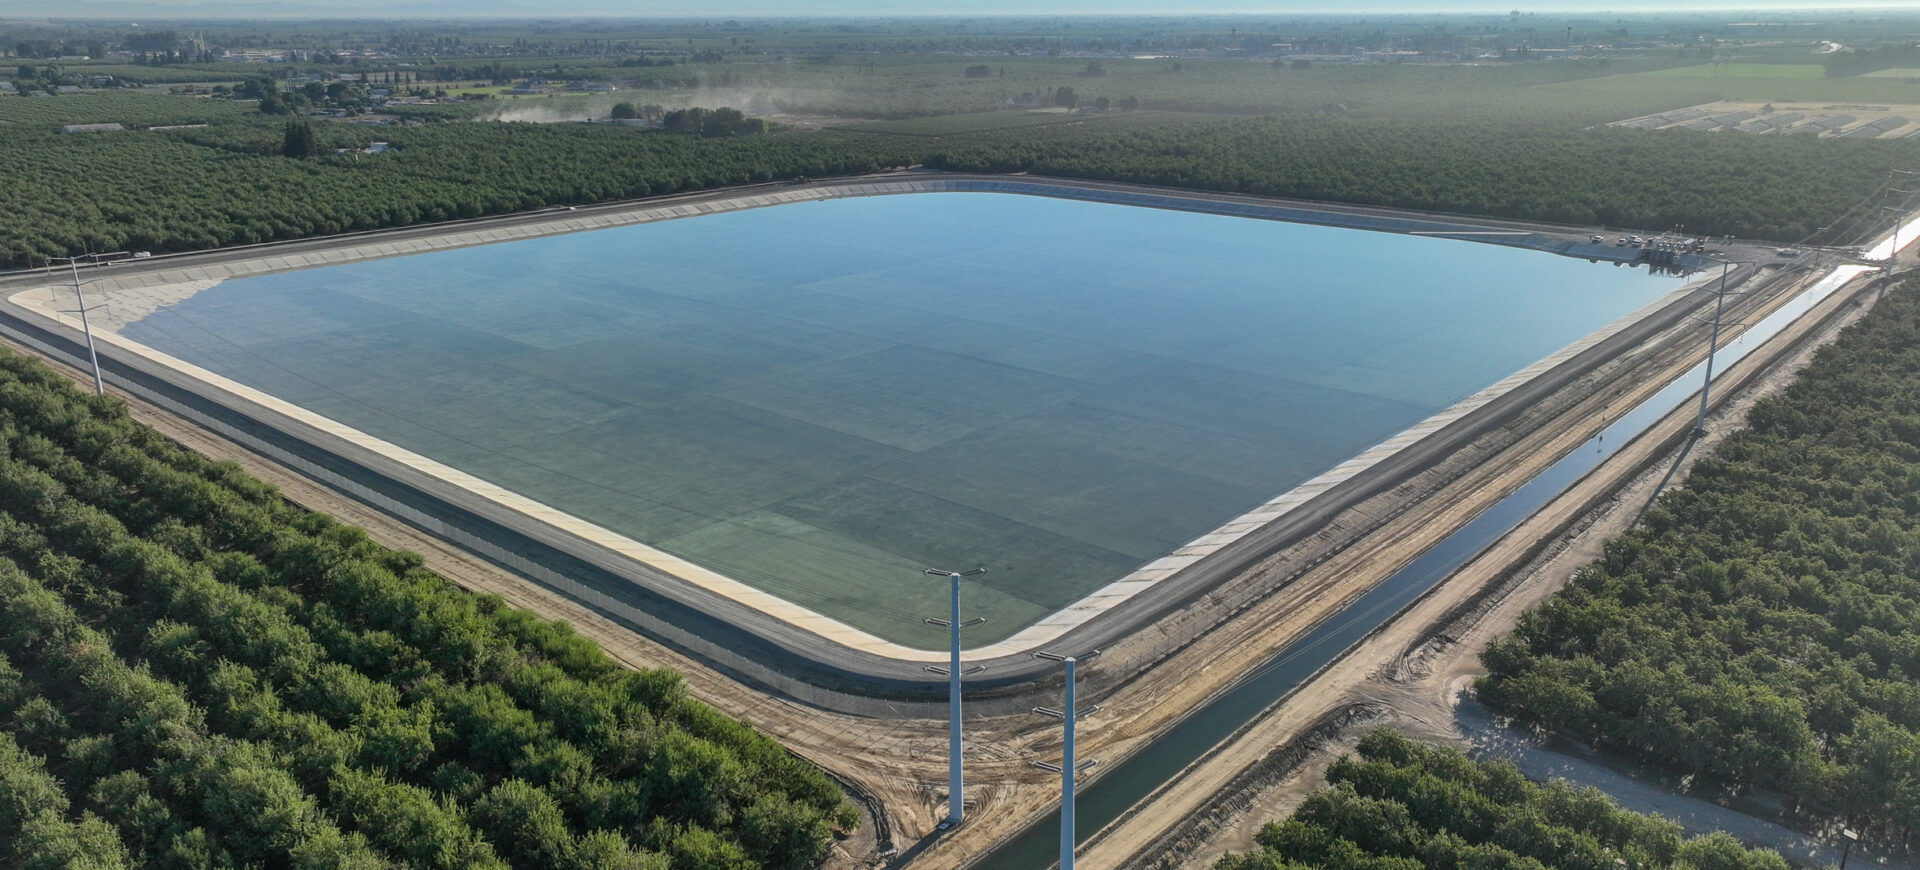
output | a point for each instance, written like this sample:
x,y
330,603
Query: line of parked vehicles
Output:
x,y
1664,243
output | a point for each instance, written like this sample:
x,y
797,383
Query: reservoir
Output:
x,y
819,399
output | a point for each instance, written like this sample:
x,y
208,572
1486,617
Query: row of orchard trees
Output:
x,y
232,183
1403,805
1783,188
1762,626
194,674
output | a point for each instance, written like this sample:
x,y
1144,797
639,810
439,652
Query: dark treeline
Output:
x,y
1859,61
1402,805
724,121
231,183
1762,626
1528,141
1781,188
193,674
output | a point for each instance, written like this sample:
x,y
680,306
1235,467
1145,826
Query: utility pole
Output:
x,y
1895,252
1706,386
86,327
1068,770
1713,344
956,808
1899,214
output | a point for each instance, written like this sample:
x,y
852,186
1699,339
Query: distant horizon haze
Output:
x,y
132,10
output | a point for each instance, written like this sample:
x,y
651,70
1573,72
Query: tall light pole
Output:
x,y
86,327
1898,215
1067,772
1067,769
1700,418
1895,253
1713,344
956,808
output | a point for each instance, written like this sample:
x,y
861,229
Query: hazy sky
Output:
x,y
725,8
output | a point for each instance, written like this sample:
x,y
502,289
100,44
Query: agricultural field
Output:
x,y
40,119
1742,71
229,183
164,75
912,86
1002,121
1512,140
1518,154
1773,82
1783,188
194,673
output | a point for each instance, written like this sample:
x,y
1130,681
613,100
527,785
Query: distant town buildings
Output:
x,y
264,55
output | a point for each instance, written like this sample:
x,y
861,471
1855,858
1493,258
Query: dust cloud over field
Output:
x,y
570,108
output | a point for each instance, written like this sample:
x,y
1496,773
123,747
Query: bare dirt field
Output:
x,y
1822,119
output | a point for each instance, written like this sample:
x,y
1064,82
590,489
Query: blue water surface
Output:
x,y
820,398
